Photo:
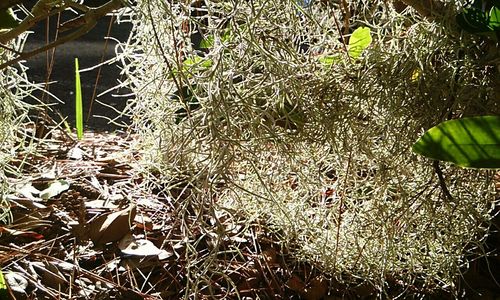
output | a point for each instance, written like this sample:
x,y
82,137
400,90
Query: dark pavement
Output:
x,y
89,50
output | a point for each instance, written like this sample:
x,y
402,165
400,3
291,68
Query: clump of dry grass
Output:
x,y
14,87
320,151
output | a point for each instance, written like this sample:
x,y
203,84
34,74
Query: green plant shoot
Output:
x,y
78,102
3,287
469,142
360,39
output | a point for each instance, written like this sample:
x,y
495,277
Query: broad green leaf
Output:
x,y
494,21
7,19
78,102
469,142
473,20
360,39
54,189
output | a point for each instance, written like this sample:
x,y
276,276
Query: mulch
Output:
x,y
110,235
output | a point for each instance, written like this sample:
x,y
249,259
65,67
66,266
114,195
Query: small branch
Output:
x,y
10,49
442,182
59,41
40,11
90,20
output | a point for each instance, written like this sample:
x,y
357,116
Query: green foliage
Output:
x,y
360,39
197,61
7,19
468,142
3,287
78,102
482,17
208,42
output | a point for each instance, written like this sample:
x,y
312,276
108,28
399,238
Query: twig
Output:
x,y
10,49
442,182
91,17
40,11
9,3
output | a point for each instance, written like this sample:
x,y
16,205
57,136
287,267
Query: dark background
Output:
x,y
89,50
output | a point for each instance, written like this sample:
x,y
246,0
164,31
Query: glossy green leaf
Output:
x,y
494,21
78,102
7,19
469,142
360,39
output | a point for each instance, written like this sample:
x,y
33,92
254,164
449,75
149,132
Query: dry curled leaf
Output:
x,y
111,227
16,282
130,246
54,189
144,222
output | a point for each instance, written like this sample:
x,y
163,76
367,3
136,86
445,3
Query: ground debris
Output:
x,y
106,237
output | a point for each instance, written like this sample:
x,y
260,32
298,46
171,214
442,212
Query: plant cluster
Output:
x,y
14,87
263,106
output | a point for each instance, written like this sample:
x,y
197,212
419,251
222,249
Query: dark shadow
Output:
x,y
89,50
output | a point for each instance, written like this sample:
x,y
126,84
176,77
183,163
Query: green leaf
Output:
x,y
54,189
7,19
360,39
469,142
207,42
197,61
78,102
494,21
477,19
328,60
3,287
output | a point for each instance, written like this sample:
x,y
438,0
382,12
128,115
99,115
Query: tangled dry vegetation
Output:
x,y
265,162
13,113
238,103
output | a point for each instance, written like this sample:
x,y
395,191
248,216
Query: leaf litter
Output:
x,y
106,236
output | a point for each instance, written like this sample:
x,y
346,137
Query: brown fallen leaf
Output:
x,y
137,247
144,222
111,227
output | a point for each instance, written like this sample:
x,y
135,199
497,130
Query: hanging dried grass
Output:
x,y
259,103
